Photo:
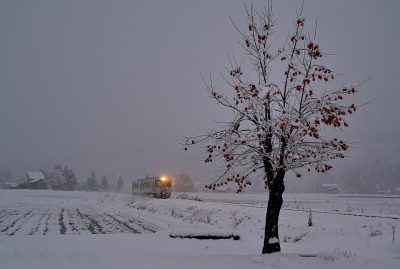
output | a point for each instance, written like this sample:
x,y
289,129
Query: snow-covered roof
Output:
x,y
35,176
327,185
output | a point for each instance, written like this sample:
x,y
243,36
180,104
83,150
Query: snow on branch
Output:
x,y
277,127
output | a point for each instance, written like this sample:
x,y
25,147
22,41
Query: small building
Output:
x,y
35,180
331,188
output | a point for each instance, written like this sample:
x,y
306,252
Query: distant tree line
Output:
x,y
366,177
64,178
93,184
182,183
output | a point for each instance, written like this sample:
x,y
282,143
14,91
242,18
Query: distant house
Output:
x,y
35,180
331,188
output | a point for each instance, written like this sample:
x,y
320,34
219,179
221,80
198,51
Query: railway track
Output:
x,y
255,205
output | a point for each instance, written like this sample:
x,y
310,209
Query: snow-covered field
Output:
x,y
56,229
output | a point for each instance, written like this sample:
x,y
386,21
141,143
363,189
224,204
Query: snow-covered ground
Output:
x,y
56,229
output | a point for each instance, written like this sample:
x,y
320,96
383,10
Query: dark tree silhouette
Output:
x,y
92,182
70,178
120,184
104,183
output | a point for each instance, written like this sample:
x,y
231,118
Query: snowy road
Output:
x,y
59,213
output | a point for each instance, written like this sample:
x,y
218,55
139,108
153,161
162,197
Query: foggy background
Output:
x,y
114,86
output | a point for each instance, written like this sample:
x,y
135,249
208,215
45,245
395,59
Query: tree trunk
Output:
x,y
275,201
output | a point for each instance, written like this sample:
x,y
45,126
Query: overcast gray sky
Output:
x,y
115,85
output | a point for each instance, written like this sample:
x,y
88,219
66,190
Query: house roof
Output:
x,y
35,176
327,185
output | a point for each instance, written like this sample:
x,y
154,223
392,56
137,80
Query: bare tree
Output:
x,y
278,124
